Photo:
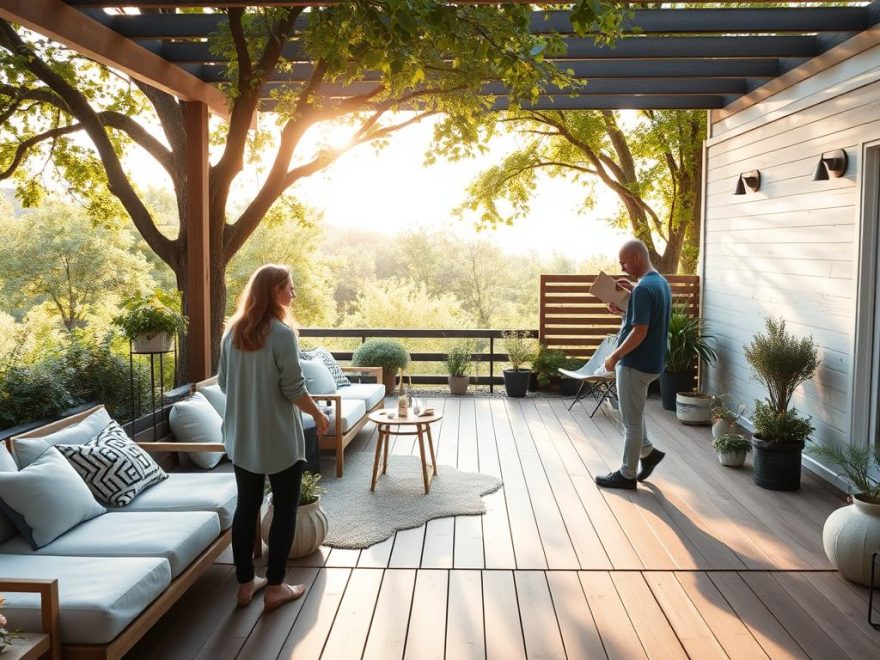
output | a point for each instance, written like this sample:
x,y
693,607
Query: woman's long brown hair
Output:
x,y
257,306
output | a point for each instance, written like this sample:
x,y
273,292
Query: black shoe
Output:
x,y
615,480
649,462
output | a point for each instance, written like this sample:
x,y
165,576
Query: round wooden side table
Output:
x,y
390,424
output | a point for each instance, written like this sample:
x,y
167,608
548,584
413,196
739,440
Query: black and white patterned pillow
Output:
x,y
114,468
326,357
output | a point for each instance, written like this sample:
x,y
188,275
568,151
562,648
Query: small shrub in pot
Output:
x,y
731,449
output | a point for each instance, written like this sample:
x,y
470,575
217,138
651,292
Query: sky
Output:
x,y
391,191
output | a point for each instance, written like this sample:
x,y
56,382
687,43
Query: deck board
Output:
x,y
697,562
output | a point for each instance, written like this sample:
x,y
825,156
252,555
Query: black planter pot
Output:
x,y
534,386
568,386
671,384
777,465
516,383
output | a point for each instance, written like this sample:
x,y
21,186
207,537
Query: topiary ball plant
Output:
x,y
385,353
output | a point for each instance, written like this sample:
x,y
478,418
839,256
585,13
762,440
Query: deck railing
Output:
x,y
490,338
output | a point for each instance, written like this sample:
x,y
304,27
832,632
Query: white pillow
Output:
x,y
318,378
46,499
194,420
215,397
27,450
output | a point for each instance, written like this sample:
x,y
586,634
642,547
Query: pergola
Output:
x,y
718,59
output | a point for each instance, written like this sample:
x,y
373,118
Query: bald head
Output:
x,y
634,258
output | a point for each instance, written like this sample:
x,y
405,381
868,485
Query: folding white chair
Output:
x,y
595,381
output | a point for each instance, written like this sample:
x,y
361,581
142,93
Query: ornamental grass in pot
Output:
x,y
781,362
385,353
311,521
520,349
459,366
687,345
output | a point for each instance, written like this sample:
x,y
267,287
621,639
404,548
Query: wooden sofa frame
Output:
x,y
125,640
337,440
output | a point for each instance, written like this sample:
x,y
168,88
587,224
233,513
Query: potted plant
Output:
x,y
546,366
731,449
851,534
693,407
385,353
458,365
151,321
724,418
687,344
780,361
518,347
311,521
569,386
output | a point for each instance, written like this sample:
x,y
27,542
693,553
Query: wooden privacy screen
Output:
x,y
575,321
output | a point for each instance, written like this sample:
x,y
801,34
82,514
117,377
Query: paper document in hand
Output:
x,y
605,289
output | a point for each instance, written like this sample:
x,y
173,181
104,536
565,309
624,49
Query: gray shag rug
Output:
x,y
359,518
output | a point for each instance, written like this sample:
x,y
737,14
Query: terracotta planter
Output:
x,y
389,379
311,528
851,536
161,342
458,385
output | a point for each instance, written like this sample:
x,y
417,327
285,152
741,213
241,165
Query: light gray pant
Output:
x,y
632,391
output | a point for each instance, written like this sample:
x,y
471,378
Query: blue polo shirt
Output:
x,y
649,304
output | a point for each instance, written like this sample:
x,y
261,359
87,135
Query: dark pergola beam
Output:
x,y
649,21
175,4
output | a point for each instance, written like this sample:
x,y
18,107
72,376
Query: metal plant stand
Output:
x,y
136,411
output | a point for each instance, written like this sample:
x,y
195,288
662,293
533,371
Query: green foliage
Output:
x,y
780,361
547,363
775,426
856,463
385,353
520,348
32,392
149,315
723,409
458,360
730,443
310,489
687,342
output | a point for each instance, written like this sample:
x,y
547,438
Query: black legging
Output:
x,y
285,499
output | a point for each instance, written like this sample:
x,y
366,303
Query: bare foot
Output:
x,y
278,594
247,590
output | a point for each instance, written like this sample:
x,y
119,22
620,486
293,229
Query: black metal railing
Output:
x,y
490,355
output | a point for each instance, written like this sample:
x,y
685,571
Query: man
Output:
x,y
638,360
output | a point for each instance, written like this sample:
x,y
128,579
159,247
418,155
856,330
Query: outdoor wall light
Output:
x,y
750,180
833,162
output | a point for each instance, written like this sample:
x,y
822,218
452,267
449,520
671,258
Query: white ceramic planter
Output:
x,y
732,458
850,536
722,427
158,343
458,385
693,408
311,528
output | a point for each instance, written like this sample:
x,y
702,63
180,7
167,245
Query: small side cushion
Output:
x,y
7,464
215,397
114,468
98,598
27,450
318,378
329,361
191,491
194,419
46,499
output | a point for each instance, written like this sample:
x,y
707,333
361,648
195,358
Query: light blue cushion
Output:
x,y
191,491
370,393
215,397
178,537
195,420
27,450
46,499
7,464
99,598
318,378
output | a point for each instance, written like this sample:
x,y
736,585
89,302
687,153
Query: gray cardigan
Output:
x,y
262,429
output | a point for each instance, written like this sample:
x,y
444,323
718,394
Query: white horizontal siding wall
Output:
x,y
791,249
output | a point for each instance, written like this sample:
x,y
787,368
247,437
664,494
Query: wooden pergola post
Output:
x,y
198,337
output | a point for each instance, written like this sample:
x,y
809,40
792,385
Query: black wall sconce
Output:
x,y
750,180
831,162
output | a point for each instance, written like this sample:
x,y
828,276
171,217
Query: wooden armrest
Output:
x,y
49,610
372,371
335,399
181,446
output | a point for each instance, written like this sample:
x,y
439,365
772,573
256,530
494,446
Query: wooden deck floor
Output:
x,y
697,563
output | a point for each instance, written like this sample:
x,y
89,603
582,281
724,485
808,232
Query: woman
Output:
x,y
262,430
